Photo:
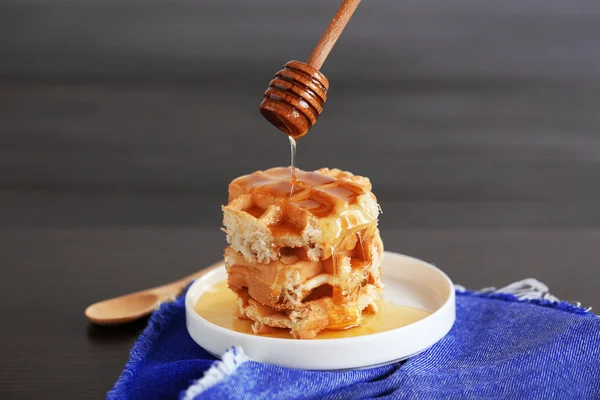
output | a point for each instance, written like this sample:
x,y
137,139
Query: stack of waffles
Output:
x,y
304,254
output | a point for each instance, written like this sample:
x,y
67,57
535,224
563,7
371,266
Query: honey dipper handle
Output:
x,y
332,33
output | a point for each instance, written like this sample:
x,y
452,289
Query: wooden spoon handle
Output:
x,y
332,33
183,282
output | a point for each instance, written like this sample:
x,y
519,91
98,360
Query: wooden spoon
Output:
x,y
130,307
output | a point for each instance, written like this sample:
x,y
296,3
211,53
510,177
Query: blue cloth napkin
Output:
x,y
499,348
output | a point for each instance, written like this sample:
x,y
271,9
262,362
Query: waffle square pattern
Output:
x,y
304,255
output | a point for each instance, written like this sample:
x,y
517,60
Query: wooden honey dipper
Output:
x,y
295,97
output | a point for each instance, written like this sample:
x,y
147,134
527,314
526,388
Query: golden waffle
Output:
x,y
307,322
267,212
303,255
280,284
288,282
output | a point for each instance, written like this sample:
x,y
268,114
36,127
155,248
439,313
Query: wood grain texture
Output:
x,y
452,108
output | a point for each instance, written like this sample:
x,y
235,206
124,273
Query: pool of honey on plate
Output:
x,y
219,306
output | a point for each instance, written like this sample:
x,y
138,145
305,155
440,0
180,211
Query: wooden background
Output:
x,y
121,123
463,113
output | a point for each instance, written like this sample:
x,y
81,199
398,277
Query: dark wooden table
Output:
x,y
122,122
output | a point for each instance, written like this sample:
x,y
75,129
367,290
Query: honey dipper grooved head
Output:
x,y
295,98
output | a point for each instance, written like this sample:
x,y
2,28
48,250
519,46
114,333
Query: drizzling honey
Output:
x,y
293,162
219,306
293,157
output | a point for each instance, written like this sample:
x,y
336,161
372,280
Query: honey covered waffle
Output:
x,y
303,254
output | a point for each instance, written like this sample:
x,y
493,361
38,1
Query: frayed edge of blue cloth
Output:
x,y
156,326
220,370
557,305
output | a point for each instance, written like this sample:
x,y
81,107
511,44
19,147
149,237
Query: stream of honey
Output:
x,y
219,306
293,157
292,162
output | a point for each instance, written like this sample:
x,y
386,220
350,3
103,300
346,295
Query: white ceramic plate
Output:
x,y
408,281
